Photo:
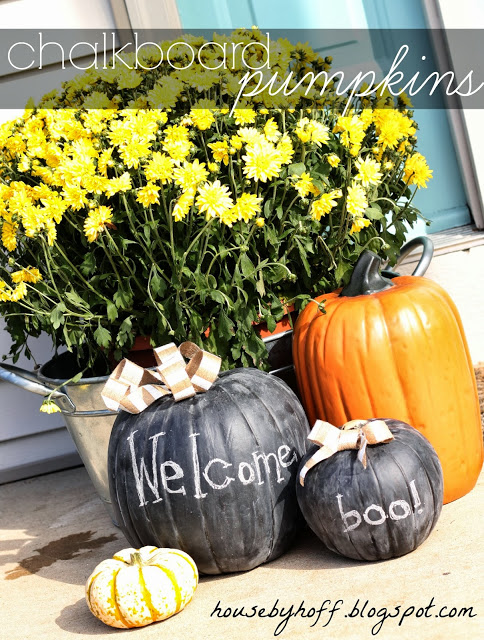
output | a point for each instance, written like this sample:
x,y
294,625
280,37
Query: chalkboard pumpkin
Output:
x,y
140,586
213,475
379,512
393,348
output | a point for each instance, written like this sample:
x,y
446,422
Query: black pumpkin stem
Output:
x,y
366,277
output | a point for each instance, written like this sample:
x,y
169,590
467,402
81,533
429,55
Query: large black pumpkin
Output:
x,y
383,511
213,475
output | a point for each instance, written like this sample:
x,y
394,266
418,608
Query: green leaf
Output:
x,y
279,272
304,260
77,377
341,269
112,311
57,315
297,169
126,325
226,327
268,208
102,336
88,264
123,299
372,213
217,296
158,285
259,285
76,299
271,323
246,265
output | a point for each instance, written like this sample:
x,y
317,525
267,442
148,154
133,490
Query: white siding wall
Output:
x,y
31,442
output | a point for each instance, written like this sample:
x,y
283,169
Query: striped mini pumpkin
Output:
x,y
140,586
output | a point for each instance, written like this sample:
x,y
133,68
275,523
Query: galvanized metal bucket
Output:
x,y
87,419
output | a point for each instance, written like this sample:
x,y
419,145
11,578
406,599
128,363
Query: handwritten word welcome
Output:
x,y
169,476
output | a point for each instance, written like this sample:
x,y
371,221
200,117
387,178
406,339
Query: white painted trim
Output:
x,y
147,14
466,130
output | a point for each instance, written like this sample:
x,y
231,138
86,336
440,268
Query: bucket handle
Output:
x,y
28,381
427,252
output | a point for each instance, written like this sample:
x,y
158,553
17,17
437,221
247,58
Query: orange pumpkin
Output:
x,y
393,348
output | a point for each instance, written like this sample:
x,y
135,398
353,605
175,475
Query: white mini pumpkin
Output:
x,y
140,586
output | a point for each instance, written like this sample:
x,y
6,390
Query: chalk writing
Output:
x,y
375,514
169,477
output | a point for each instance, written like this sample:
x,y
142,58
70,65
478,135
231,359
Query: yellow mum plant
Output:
x,y
140,203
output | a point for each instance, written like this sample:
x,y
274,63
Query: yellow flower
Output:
x,y
271,131
323,205
333,160
236,142
28,274
213,167
392,126
359,224
183,204
49,406
214,199
220,151
356,201
304,185
75,197
176,133
96,222
202,118
249,135
115,185
9,235
129,79
260,222
160,167
368,171
148,194
247,206
285,148
262,162
165,94
352,129
97,100
417,170
104,161
244,116
178,150
191,174
312,131
133,151
19,292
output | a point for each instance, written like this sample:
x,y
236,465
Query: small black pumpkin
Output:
x,y
383,511
213,475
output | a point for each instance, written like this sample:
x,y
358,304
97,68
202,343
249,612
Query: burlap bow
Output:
x,y
356,434
132,388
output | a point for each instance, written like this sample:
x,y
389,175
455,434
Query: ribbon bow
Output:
x,y
133,388
356,434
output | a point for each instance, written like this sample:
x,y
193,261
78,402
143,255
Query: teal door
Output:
x,y
444,201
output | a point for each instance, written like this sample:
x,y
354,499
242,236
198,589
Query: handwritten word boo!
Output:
x,y
170,471
397,510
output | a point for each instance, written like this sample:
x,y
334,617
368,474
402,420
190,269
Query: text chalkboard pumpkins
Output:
x,y
393,348
213,475
379,512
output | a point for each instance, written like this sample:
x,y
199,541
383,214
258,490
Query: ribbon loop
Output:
x,y
356,434
133,388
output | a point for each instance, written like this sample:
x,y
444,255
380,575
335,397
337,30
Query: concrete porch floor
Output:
x,y
55,530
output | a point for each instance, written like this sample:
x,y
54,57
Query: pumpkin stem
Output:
x,y
136,559
366,277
